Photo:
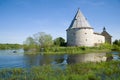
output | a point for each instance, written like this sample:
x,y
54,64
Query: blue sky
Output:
x,y
20,19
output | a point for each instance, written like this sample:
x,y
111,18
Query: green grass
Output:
x,y
10,46
68,50
82,71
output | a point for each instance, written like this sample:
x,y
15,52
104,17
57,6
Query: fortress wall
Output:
x,y
70,37
98,39
80,37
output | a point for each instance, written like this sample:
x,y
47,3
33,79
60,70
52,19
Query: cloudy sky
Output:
x,y
20,19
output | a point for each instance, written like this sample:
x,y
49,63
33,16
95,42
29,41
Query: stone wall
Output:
x,y
98,39
80,37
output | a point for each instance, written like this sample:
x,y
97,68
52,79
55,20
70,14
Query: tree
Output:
x,y
116,42
59,41
43,39
29,41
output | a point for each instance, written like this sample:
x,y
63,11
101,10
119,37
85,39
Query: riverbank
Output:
x,y
10,46
74,50
67,50
82,71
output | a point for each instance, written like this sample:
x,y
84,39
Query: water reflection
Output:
x,y
8,59
37,60
91,57
57,61
116,55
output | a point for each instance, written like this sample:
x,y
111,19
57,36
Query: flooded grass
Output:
x,y
80,71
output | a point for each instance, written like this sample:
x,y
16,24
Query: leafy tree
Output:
x,y
116,42
43,39
59,41
38,40
29,41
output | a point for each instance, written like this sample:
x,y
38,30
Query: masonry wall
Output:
x,y
108,38
98,39
80,37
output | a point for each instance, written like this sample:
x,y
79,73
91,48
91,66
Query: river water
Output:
x,y
17,59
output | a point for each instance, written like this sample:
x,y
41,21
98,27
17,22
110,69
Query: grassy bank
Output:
x,y
10,46
33,49
82,71
73,50
67,50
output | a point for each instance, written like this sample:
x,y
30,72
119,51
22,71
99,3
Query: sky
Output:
x,y
20,19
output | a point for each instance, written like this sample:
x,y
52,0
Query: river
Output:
x,y
17,59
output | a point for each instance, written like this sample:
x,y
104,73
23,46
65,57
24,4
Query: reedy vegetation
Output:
x,y
67,50
82,71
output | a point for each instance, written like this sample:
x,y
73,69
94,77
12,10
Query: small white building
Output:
x,y
80,33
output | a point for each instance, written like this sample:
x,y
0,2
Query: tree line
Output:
x,y
116,45
10,46
42,40
117,42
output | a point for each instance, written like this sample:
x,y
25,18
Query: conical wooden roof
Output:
x,y
79,21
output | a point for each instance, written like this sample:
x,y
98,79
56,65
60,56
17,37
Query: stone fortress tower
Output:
x,y
80,33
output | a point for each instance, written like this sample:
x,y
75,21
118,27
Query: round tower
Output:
x,y
80,33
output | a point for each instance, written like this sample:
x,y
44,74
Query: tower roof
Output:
x,y
79,21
